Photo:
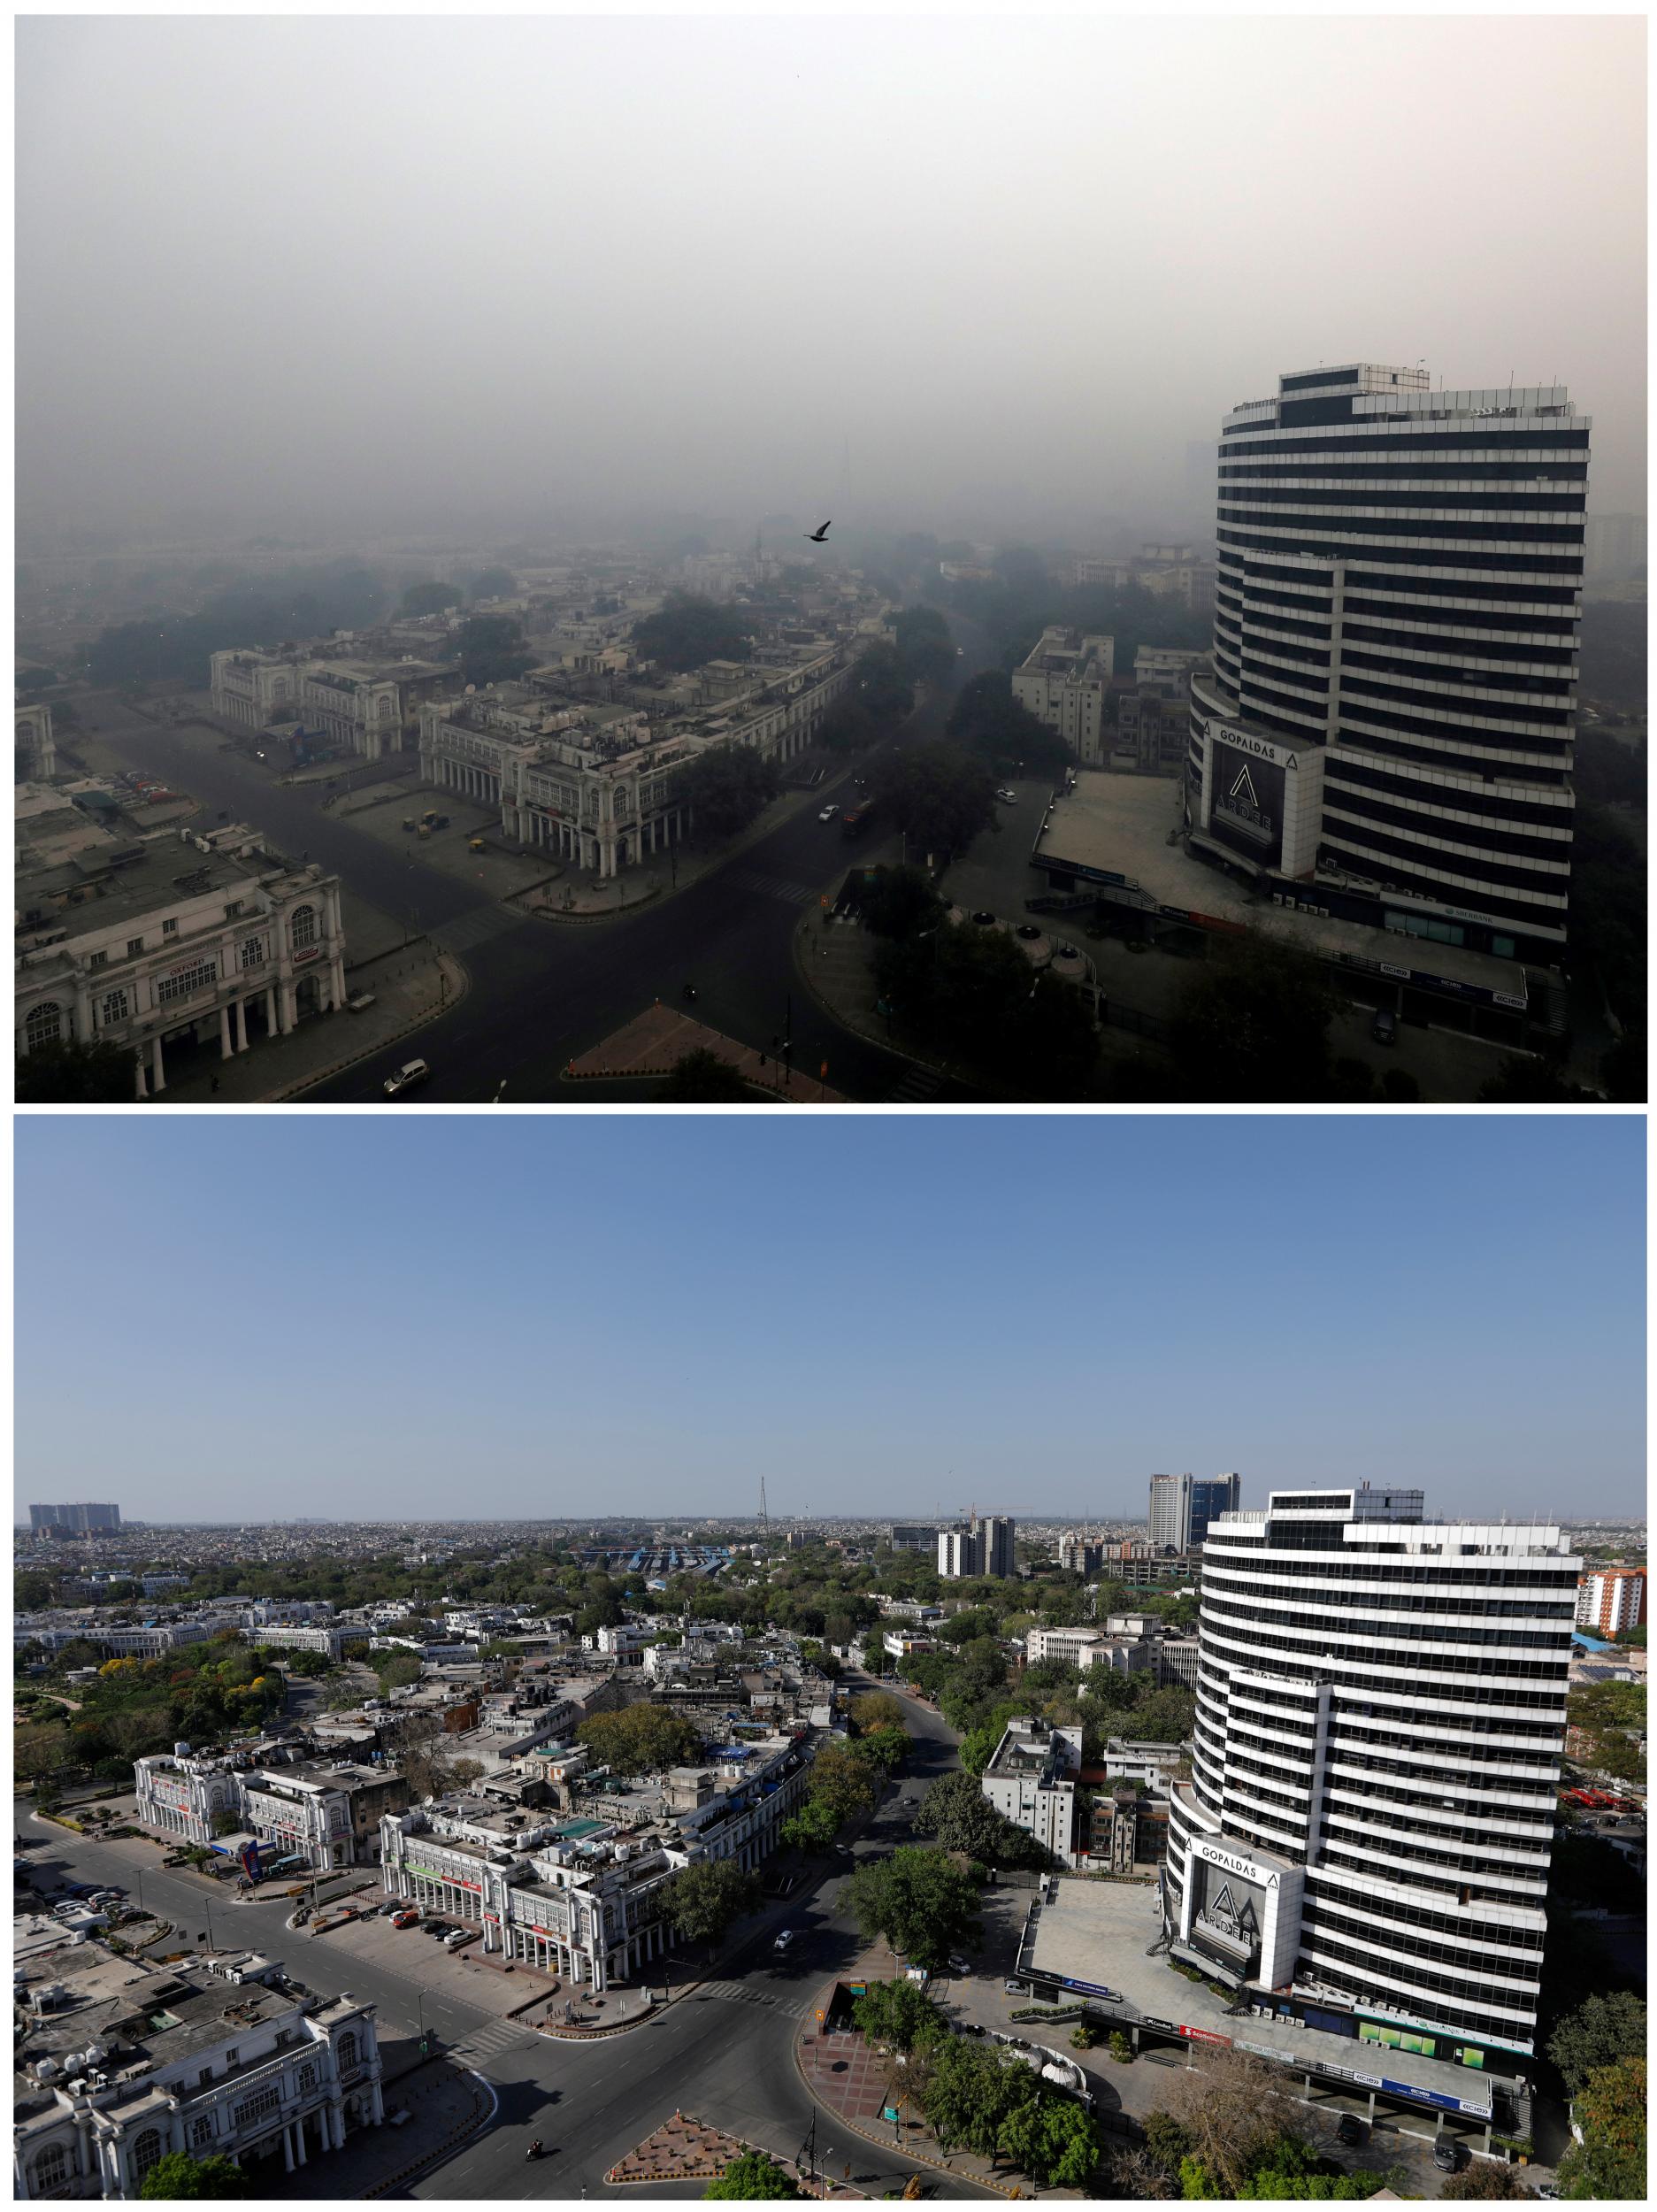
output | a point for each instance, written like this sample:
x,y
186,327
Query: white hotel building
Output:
x,y
1364,1842
1391,714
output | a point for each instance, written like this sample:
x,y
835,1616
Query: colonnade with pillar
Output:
x,y
278,1001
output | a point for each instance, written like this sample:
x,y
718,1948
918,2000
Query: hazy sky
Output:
x,y
340,272
399,1315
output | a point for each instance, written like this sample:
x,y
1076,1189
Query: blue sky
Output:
x,y
385,1315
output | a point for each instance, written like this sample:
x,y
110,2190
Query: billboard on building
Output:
x,y
1246,808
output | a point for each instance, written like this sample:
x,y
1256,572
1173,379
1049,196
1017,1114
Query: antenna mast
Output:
x,y
764,1517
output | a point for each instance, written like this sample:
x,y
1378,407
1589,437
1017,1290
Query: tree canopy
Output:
x,y
728,785
940,794
687,630
641,1738
1610,2109
1253,1023
918,1901
491,650
430,598
177,2174
956,1811
1597,2033
752,2176
988,720
703,1899
703,1079
72,1073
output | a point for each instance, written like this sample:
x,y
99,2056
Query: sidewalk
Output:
x,y
412,986
578,897
856,2084
445,2105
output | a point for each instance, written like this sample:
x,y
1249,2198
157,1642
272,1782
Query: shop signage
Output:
x,y
1203,2035
1234,1862
1093,1989
1167,2026
310,952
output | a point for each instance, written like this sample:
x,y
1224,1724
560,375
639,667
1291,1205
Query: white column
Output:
x,y
287,2148
241,1025
138,1064
271,1022
225,1048
380,2102
157,1068
299,2138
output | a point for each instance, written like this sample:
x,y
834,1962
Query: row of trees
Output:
x,y
846,1778
136,1707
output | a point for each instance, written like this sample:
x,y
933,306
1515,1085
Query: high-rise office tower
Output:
x,y
1380,1721
1182,1507
1395,633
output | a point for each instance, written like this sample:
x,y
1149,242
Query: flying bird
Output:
x,y
817,536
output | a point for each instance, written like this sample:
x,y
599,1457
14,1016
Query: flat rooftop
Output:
x,y
1118,826
1098,1932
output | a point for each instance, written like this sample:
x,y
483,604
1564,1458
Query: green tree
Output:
x,y
72,1073
1253,1024
1609,2163
918,1901
493,583
940,794
491,650
426,598
640,1739
956,1811
686,632
703,1899
727,786
812,1826
900,2016
751,2176
843,1781
988,720
1483,2180
1521,1080
1597,2033
1055,2141
703,1079
901,902
179,2174
877,1709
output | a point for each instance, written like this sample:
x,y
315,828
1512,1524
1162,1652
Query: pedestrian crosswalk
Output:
x,y
917,1086
475,927
745,1993
478,2044
781,887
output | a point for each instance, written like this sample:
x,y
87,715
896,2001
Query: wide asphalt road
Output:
x,y
724,2053
541,992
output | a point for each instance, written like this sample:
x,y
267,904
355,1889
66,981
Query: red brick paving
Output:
x,y
654,1040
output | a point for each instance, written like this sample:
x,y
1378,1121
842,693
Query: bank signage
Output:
x,y
1091,1989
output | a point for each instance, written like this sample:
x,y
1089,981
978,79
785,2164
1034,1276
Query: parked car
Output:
x,y
828,814
359,1002
1351,2129
410,1073
785,1941
1383,1028
1447,2157
405,1919
1017,1989
455,1937
1008,798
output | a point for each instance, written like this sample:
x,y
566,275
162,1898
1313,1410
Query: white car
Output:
x,y
828,814
411,1072
1008,798
785,1941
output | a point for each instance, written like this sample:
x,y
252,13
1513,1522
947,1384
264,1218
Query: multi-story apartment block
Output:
x,y
1612,1598
77,1520
36,757
983,1546
1031,1780
1063,683
1380,1724
1393,693
128,2061
196,940
1169,571
1183,1506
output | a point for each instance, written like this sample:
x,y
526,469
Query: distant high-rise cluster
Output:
x,y
75,1520
1611,1600
982,1545
1182,1507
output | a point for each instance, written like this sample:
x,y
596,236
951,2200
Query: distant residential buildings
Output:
x,y
1169,571
1611,1600
983,1546
76,1520
1615,548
